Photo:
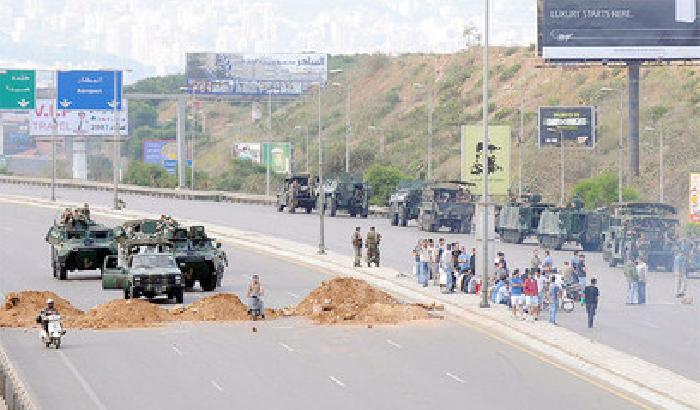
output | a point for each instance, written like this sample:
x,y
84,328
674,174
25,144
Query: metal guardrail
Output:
x,y
185,194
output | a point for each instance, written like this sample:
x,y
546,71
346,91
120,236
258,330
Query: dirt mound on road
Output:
x,y
349,300
120,314
21,308
224,306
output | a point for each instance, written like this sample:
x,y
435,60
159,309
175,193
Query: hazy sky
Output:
x,y
152,36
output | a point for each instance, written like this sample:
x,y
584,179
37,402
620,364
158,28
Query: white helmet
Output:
x,y
49,302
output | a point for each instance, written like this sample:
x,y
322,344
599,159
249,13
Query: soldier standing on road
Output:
x,y
631,277
357,245
372,244
591,295
679,269
535,261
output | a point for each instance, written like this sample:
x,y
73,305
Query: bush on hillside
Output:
x,y
383,179
602,190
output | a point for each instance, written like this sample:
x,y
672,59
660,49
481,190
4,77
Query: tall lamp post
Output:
x,y
306,144
117,123
661,158
381,136
321,194
430,129
485,166
620,142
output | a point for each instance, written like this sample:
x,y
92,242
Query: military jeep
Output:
x,y
297,191
446,204
80,244
345,193
404,204
520,218
558,226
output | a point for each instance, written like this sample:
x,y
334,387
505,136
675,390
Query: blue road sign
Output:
x,y
88,90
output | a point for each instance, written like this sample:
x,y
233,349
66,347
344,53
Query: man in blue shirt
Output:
x,y
516,294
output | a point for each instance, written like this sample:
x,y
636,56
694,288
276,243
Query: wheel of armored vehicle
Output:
x,y
394,218
403,216
208,284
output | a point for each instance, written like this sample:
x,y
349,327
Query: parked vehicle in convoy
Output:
x,y
645,229
297,191
347,194
446,204
558,226
520,218
80,244
199,257
404,204
147,269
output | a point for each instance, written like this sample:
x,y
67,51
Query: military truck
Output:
x,y
297,192
404,204
199,257
80,244
558,226
446,204
520,218
645,229
346,193
146,268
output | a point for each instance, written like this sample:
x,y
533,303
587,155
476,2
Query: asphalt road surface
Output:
x,y
663,331
286,364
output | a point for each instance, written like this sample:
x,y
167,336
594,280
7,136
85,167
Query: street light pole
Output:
x,y
520,146
53,140
620,153
115,172
194,126
561,168
661,163
430,136
321,195
269,135
348,126
485,167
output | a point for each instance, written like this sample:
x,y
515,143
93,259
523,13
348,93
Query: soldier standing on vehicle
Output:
x,y
372,244
66,216
86,211
357,245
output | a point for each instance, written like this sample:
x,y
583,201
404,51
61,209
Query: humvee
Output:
x,y
446,204
404,204
297,192
348,194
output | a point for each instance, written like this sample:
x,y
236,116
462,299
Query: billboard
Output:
x,y
279,156
251,151
575,124
694,197
76,122
255,74
498,158
617,30
14,135
161,152
88,90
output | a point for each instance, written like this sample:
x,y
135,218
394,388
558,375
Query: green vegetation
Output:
x,y
246,176
509,72
602,191
143,174
383,179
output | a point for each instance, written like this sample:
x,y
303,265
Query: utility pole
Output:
x,y
620,159
430,134
321,195
269,129
194,127
115,164
520,145
54,132
661,163
348,126
561,168
485,167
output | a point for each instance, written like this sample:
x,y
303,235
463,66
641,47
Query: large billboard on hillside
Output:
x,y
618,30
695,197
498,158
255,74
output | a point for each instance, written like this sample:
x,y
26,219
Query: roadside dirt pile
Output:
x,y
21,308
354,301
224,306
120,314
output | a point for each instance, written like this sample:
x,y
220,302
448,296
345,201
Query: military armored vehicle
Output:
x,y
297,192
558,226
645,229
520,218
346,193
404,204
146,268
79,244
199,257
447,204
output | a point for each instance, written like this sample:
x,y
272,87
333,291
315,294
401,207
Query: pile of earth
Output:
x,y
354,301
119,314
224,306
21,308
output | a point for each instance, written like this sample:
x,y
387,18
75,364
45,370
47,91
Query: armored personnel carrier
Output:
x,y
348,194
79,244
558,226
645,229
199,257
297,191
446,204
404,204
520,218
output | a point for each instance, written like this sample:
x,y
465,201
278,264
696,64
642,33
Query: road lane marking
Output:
x,y
452,376
396,345
177,350
91,393
289,349
651,325
336,381
294,295
282,327
216,386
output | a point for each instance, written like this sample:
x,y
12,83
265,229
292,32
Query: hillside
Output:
x,y
384,95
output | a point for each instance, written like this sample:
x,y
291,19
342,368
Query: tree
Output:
x,y
602,190
383,179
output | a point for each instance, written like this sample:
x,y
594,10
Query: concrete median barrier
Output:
x,y
14,395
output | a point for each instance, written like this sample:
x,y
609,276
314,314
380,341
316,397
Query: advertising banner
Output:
x,y
498,153
251,151
17,89
88,90
695,197
15,136
76,122
279,156
161,152
255,74
576,124
615,30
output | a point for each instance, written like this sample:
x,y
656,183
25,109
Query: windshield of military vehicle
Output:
x,y
202,244
445,195
75,234
100,234
153,261
181,245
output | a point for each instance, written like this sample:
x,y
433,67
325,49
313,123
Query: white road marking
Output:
x,y
289,349
177,350
282,327
336,381
294,295
454,377
396,345
651,325
216,386
91,393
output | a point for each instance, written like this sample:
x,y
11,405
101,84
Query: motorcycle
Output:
x,y
255,308
54,332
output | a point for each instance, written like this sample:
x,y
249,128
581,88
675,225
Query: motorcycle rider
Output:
x,y
254,294
42,317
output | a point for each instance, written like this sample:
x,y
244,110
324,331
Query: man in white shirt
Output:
x,y
642,270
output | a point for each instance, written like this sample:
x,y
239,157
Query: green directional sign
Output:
x,y
17,89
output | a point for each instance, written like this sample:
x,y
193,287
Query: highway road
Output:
x,y
663,331
287,364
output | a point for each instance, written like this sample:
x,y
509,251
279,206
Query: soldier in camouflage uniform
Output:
x,y
357,245
372,244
